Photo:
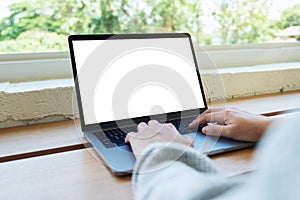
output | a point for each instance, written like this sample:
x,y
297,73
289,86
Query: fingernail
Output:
x,y
142,124
204,130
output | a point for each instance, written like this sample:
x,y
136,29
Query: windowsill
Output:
x,y
36,102
44,101
230,83
42,139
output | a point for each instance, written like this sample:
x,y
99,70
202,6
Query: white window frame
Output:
x,y
240,55
42,66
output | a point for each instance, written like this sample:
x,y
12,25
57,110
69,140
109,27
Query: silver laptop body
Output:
x,y
124,79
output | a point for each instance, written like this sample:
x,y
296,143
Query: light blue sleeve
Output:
x,y
177,172
278,164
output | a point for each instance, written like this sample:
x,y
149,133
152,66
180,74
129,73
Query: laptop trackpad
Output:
x,y
212,145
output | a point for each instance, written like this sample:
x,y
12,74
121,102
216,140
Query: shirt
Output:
x,y
180,172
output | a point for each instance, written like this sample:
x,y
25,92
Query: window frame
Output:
x,y
47,76
56,65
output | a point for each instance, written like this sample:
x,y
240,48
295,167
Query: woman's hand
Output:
x,y
154,132
233,123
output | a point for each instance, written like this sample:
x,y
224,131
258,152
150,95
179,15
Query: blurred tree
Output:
x,y
62,17
35,41
65,17
178,15
290,17
243,21
236,21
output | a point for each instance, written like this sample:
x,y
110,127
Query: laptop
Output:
x,y
124,79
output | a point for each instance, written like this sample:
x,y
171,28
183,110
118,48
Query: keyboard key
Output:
x,y
105,141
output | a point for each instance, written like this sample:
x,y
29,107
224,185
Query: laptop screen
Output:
x,y
123,77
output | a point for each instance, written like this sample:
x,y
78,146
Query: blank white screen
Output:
x,y
152,87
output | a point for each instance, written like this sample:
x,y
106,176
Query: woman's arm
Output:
x,y
177,172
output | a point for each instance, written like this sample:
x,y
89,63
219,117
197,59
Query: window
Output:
x,y
234,33
42,26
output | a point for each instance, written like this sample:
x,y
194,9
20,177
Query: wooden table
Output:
x,y
51,161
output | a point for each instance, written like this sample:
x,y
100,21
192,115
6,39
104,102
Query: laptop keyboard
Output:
x,y
116,137
182,125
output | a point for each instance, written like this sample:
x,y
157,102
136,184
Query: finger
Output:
x,y
217,130
169,125
210,110
218,117
209,117
141,126
155,126
196,121
153,122
168,129
203,119
129,136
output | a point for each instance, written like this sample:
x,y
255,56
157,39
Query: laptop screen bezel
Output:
x,y
124,122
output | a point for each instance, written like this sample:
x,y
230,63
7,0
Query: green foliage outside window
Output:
x,y
35,25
